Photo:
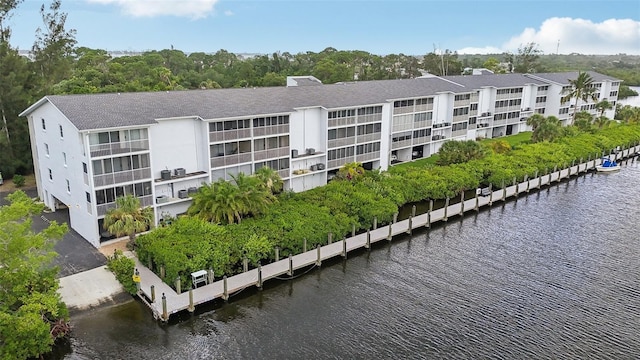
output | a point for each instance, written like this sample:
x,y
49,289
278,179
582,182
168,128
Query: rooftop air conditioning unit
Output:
x,y
183,194
294,153
179,172
311,151
488,114
165,175
320,166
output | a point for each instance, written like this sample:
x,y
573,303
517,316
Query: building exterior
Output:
x,y
160,147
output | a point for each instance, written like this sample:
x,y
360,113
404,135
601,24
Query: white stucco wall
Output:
x,y
177,143
70,145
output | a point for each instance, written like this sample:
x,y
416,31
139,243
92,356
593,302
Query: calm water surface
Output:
x,y
555,275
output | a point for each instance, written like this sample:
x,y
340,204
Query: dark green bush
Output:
x,y
18,180
123,268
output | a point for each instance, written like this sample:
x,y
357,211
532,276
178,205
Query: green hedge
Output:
x,y
190,245
123,269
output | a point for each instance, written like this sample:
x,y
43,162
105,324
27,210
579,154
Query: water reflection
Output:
x,y
553,275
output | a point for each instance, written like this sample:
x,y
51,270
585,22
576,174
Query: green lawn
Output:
x,y
513,140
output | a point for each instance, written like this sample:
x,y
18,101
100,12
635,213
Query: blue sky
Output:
x,y
380,27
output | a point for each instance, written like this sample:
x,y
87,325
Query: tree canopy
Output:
x,y
32,315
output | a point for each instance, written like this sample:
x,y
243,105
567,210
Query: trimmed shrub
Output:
x,y
123,267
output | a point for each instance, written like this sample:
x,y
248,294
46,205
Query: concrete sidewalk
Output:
x,y
92,288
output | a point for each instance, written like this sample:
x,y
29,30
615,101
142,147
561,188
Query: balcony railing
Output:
x,y
424,107
119,147
421,140
271,130
283,173
269,154
368,156
422,124
368,137
369,118
339,162
218,136
402,110
341,142
230,160
342,121
144,201
401,144
121,177
459,133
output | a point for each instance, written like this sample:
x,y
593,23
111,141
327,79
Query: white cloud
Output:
x,y
611,36
228,13
194,9
483,50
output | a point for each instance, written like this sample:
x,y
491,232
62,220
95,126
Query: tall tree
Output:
x,y
603,106
526,60
581,89
549,129
128,218
32,314
53,47
15,96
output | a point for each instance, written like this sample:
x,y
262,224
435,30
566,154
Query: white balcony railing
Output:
x,y
119,147
144,201
121,177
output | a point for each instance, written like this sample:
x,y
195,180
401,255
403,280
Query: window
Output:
x,y
613,94
50,175
462,97
88,197
68,187
84,167
541,99
46,149
44,125
64,158
61,131
460,111
402,103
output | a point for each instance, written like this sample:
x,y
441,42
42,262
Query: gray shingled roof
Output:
x,y
564,77
101,111
473,82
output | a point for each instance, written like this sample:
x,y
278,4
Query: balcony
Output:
x,y
459,133
421,140
144,202
271,130
270,154
368,156
401,144
230,160
189,176
368,138
218,136
351,120
341,142
441,125
339,162
119,147
402,110
121,177
422,124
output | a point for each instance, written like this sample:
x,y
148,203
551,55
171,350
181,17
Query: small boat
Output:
x,y
607,165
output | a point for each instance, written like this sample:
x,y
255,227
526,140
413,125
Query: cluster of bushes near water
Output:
x,y
192,244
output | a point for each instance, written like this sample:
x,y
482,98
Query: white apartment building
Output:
x,y
160,147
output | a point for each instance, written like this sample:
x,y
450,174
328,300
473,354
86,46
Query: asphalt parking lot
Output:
x,y
75,254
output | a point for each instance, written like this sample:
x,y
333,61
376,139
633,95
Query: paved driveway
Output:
x,y
75,254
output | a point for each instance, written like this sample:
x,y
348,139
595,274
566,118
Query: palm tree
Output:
x,y
583,120
128,218
535,120
548,130
228,202
602,122
350,171
581,89
217,202
252,194
603,106
270,179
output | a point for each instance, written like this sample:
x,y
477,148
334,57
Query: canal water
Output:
x,y
555,275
